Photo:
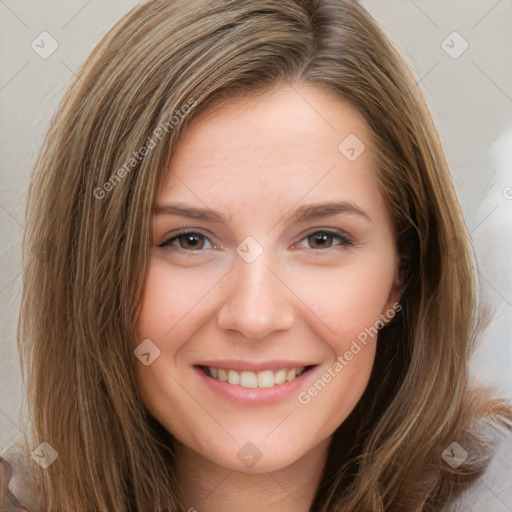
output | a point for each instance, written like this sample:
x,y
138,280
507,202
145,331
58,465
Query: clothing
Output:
x,y
11,487
492,492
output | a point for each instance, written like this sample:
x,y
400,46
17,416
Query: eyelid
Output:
x,y
346,239
184,231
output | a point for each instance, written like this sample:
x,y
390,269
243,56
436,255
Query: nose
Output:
x,y
256,302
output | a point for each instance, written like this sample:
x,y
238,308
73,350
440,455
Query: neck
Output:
x,y
208,487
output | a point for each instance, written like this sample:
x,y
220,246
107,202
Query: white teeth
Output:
x,y
290,374
263,379
280,377
248,380
233,377
266,379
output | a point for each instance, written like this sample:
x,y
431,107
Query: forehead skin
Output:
x,y
270,148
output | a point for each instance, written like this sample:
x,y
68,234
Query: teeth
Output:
x,y
233,377
263,379
266,379
280,377
248,380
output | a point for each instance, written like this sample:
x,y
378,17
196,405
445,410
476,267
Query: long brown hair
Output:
x,y
88,234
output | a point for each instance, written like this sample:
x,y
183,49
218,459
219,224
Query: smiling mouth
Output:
x,y
252,380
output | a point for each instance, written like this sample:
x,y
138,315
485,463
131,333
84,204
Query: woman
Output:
x,y
234,201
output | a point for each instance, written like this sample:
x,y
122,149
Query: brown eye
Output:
x,y
189,241
320,240
325,239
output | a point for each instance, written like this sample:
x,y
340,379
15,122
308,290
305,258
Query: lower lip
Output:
x,y
256,396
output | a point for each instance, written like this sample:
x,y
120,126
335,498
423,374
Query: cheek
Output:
x,y
347,302
161,309
174,304
344,307
171,299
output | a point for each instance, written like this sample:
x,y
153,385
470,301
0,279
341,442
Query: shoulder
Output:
x,y
493,490
18,491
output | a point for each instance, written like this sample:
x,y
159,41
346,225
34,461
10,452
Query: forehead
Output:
x,y
278,146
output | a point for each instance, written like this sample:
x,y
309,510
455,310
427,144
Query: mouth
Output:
x,y
252,380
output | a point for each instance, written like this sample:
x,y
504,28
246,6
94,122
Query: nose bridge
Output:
x,y
256,302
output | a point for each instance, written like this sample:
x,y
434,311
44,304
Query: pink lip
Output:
x,y
254,366
256,396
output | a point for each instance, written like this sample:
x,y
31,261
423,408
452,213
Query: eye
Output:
x,y
196,241
188,241
324,239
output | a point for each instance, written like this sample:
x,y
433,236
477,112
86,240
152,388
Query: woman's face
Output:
x,y
272,262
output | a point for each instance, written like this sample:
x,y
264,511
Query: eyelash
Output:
x,y
342,237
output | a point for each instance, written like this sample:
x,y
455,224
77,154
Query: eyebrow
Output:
x,y
303,213
187,211
318,210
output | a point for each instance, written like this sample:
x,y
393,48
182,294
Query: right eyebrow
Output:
x,y
193,213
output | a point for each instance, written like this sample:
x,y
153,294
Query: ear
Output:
x,y
406,257
393,306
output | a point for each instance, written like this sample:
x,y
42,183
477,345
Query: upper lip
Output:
x,y
254,366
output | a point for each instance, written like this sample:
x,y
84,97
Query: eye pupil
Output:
x,y
320,239
192,241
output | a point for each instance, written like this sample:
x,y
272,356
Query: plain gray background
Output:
x,y
469,94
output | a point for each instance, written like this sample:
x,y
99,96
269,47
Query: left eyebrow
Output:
x,y
317,210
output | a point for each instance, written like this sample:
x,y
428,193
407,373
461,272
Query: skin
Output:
x,y
307,298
